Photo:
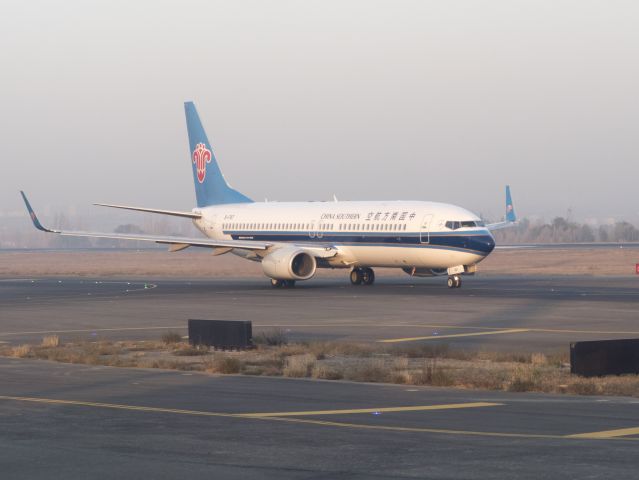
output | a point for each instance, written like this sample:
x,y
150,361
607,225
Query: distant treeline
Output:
x,y
561,230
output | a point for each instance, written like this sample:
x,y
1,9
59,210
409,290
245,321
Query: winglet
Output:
x,y
510,210
34,218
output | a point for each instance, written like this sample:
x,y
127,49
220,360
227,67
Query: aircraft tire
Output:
x,y
356,276
368,276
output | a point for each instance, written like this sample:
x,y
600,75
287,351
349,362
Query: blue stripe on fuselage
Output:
x,y
476,242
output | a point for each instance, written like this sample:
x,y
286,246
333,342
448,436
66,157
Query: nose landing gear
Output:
x,y
454,281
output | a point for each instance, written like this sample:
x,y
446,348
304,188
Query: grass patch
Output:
x,y
431,364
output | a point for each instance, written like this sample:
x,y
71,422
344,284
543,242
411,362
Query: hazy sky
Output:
x,y
429,100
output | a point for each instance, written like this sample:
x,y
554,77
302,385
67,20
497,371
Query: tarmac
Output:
x,y
76,422
509,312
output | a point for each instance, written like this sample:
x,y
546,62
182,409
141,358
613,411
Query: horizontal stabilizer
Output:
x,y
153,210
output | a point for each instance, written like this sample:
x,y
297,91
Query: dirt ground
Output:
x,y
196,263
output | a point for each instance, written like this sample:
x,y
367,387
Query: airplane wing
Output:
x,y
177,243
510,219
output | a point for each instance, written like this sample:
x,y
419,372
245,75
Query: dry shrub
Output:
x,y
299,365
400,363
525,378
102,347
263,363
623,385
171,337
538,359
22,351
484,378
169,364
503,357
272,338
143,345
326,372
431,374
424,350
559,359
51,341
582,386
323,350
222,364
191,351
373,370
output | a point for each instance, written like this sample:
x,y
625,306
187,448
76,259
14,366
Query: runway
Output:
x,y
512,313
73,421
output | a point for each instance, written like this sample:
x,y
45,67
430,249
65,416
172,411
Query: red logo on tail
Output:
x,y
201,156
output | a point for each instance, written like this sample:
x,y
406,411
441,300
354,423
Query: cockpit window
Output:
x,y
454,225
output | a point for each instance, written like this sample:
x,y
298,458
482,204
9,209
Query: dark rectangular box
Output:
x,y
604,357
222,334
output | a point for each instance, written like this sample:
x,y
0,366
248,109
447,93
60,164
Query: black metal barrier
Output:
x,y
221,334
604,357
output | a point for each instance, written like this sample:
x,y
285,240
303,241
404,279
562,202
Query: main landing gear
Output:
x,y
282,283
454,281
362,276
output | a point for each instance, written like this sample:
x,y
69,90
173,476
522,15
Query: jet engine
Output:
x,y
289,263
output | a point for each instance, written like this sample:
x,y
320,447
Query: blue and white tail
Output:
x,y
210,186
510,209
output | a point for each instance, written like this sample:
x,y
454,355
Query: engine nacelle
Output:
x,y
424,272
289,264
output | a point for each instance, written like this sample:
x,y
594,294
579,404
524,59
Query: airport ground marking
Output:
x,y
454,335
450,406
389,428
117,406
607,434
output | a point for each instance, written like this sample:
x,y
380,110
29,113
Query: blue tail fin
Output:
x,y
510,209
210,186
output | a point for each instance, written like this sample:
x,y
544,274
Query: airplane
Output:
x,y
293,239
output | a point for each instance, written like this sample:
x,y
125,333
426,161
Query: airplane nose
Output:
x,y
490,243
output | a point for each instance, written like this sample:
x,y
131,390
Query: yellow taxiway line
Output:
x,y
264,417
620,432
455,335
450,406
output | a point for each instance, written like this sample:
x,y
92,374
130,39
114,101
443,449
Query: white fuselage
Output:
x,y
405,234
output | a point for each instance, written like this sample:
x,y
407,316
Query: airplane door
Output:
x,y
424,230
